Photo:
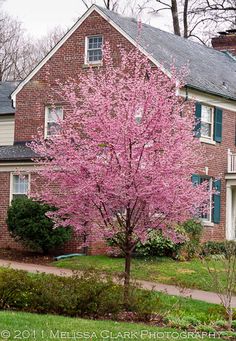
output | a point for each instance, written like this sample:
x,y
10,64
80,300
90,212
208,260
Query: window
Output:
x,y
212,214
93,49
19,185
207,122
138,115
53,115
207,216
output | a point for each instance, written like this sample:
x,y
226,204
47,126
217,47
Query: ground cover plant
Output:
x,y
120,129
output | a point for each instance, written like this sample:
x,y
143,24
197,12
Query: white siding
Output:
x,y
7,124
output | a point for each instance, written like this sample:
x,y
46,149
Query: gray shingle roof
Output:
x,y
6,88
18,152
209,70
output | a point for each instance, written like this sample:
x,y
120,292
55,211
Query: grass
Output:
x,y
179,307
191,274
15,325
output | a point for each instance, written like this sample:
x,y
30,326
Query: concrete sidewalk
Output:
x,y
206,296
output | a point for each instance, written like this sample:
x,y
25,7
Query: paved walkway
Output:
x,y
206,296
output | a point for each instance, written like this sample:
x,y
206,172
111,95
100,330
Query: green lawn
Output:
x,y
14,325
192,274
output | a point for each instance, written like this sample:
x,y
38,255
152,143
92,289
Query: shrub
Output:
x,y
159,245
192,247
156,245
14,289
213,248
143,303
85,295
28,223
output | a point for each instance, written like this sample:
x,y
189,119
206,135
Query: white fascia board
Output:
x,y
69,33
203,97
16,166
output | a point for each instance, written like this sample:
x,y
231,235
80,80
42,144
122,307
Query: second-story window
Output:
x,y
53,115
94,49
207,122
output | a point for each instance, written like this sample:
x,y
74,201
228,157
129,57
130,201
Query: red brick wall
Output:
x,y
68,61
216,161
5,240
225,43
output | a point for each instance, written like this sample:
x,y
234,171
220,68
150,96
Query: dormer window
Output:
x,y
93,51
53,115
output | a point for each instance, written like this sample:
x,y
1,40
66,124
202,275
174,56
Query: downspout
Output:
x,y
186,93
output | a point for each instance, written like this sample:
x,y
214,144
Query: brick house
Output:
x,y
211,82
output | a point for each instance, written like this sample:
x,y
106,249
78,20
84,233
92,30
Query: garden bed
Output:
x,y
25,256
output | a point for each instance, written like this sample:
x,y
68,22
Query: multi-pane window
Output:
x,y
20,185
207,116
53,116
94,49
207,214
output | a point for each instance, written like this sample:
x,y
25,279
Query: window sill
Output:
x,y
208,141
207,223
87,66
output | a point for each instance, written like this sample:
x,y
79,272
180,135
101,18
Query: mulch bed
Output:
x,y
25,256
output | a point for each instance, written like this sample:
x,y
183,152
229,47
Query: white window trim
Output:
x,y
47,107
207,139
86,61
11,183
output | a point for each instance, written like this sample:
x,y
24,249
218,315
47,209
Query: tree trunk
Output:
x,y
127,278
175,17
230,317
185,18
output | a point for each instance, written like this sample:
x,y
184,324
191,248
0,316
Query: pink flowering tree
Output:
x,y
123,160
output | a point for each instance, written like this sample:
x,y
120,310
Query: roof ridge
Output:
x,y
105,10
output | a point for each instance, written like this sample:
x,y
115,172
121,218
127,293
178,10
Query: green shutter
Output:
x,y
198,113
196,179
218,125
216,202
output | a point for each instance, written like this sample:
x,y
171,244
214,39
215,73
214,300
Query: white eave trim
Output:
x,y
69,33
209,99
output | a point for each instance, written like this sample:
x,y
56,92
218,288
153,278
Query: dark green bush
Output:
x,y
85,295
213,248
14,289
28,224
156,245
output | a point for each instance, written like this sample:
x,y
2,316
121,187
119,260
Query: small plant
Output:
x,y
205,328
221,323
28,223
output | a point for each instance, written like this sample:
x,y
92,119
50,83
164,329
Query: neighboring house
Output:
x,y
211,82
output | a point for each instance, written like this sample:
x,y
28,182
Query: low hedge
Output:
x,y
84,295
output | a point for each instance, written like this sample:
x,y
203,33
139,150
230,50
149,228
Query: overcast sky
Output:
x,y
38,17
